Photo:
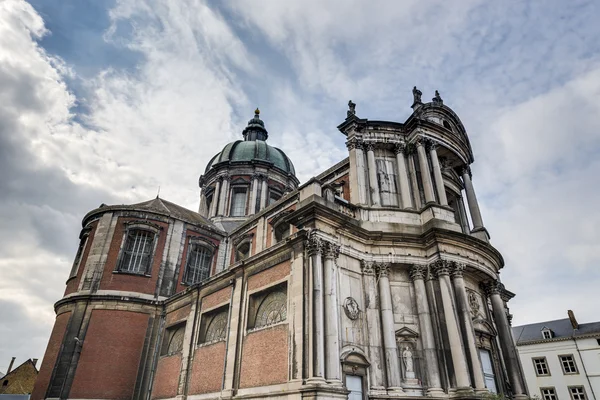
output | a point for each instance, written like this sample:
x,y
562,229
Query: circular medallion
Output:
x,y
351,308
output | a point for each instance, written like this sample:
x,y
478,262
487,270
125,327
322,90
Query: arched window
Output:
x,y
217,328
137,252
173,340
199,261
272,309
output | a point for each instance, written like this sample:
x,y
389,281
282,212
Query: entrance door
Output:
x,y
354,385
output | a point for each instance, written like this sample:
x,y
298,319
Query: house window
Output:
x,y
547,334
198,265
268,307
548,393
213,327
488,370
577,392
274,196
354,384
386,179
568,364
541,366
238,201
173,340
209,200
242,251
137,253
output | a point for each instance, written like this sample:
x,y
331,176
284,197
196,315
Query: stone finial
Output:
x,y
437,99
351,109
256,112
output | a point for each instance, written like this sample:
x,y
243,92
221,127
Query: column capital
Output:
x,y
420,141
314,244
466,170
225,177
400,148
431,145
383,269
355,143
492,287
457,269
369,146
331,250
418,272
441,267
367,267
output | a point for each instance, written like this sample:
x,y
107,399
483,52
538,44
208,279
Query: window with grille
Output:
x,y
568,364
238,201
387,181
577,392
548,393
541,366
198,264
137,253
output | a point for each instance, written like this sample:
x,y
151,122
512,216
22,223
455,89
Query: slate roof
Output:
x,y
561,329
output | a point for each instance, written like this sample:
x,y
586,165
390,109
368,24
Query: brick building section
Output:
x,y
126,282
216,299
20,380
208,368
166,379
267,277
73,283
54,345
265,357
109,361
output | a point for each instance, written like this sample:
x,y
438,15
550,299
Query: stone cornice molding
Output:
x,y
418,272
367,267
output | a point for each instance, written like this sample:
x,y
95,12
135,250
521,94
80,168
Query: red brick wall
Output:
x,y
54,344
190,233
110,357
207,369
216,298
266,277
178,315
346,187
73,283
166,379
265,357
126,282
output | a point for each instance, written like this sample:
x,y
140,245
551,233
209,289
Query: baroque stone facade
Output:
x,y
374,279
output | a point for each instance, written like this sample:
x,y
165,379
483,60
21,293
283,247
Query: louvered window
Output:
x,y
137,254
198,264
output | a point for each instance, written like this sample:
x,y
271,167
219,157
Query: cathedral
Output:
x,y
373,280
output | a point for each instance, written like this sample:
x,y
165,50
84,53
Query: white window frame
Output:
x,y
543,363
577,396
570,358
550,395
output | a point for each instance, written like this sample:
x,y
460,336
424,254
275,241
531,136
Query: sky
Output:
x,y
105,102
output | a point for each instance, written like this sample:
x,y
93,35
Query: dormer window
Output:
x,y
547,333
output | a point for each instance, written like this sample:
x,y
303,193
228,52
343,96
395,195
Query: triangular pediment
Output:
x,y
406,333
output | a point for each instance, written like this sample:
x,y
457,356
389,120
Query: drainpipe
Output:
x,y
12,361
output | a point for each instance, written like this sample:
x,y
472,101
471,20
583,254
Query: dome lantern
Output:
x,y
255,129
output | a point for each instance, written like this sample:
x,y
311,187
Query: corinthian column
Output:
x,y
358,158
437,175
389,335
472,199
425,174
494,290
403,176
417,274
374,327
467,326
224,196
254,194
264,192
314,246
373,186
442,269
215,201
333,372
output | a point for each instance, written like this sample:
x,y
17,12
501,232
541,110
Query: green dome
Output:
x,y
255,150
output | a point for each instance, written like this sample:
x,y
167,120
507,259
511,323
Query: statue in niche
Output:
x,y
407,358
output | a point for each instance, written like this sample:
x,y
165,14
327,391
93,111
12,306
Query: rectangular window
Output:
x,y
541,366
137,253
387,181
238,201
548,393
577,393
355,385
546,334
488,370
568,364
198,264
273,196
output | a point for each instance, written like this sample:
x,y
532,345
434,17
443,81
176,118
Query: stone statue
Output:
x,y
407,358
351,109
416,95
437,98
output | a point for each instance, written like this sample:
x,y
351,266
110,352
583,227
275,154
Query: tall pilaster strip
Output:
x,y
254,194
442,269
314,246
403,175
376,377
425,174
472,199
333,372
417,274
264,192
387,325
372,167
215,201
437,175
493,290
467,325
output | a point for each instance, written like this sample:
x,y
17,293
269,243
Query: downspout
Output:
x,y
583,364
228,327
159,337
192,342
